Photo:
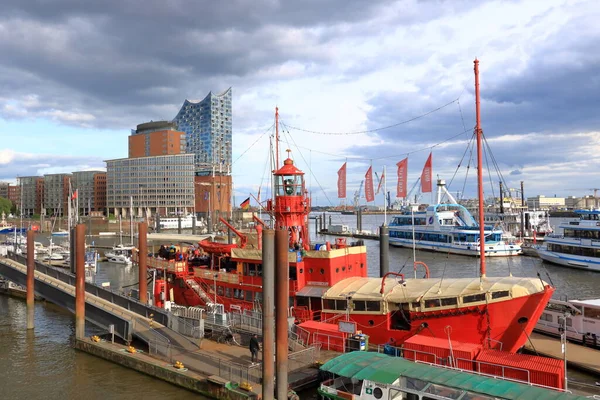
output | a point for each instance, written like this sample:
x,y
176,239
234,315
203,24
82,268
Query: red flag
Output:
x,y
74,195
402,178
426,176
342,182
369,185
380,181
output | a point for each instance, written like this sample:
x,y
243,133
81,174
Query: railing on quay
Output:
x,y
127,302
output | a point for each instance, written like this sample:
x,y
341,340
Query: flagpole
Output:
x,y
384,198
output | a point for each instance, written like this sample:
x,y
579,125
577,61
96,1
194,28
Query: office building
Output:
x,y
159,184
156,139
4,189
14,195
33,194
56,194
208,127
89,193
542,202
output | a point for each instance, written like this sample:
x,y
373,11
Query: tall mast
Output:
x,y
276,138
479,133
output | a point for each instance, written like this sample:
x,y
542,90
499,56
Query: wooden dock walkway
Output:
x,y
578,356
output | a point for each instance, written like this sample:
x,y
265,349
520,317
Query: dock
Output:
x,y
578,356
175,237
356,235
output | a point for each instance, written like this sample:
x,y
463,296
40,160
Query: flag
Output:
x,y
341,183
245,204
380,181
258,197
426,176
369,185
74,195
402,178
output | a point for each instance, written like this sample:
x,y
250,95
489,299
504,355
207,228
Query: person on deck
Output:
x,y
254,347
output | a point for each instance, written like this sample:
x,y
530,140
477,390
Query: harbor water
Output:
x,y
42,364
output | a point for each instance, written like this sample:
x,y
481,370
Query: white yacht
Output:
x,y
119,254
447,228
578,246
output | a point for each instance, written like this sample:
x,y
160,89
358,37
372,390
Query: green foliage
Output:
x,y
5,206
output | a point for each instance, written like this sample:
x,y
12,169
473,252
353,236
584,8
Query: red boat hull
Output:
x,y
466,325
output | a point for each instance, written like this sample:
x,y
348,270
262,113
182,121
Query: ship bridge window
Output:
x,y
373,306
500,294
359,305
474,298
328,304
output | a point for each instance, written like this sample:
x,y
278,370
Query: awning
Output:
x,y
312,291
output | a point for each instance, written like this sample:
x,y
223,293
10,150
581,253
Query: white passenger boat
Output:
x,y
119,254
447,228
581,318
173,222
578,246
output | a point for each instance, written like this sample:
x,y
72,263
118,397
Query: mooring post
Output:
x,y
80,281
30,278
179,224
143,261
384,250
157,222
194,224
268,323
72,250
359,220
281,311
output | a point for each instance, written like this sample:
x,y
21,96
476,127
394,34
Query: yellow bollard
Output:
x,y
131,349
178,365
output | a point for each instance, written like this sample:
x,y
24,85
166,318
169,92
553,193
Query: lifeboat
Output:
x,y
216,247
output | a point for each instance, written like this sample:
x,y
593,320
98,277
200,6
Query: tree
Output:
x,y
5,205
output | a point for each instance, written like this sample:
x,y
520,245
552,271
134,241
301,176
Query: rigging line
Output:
x,y
472,145
377,129
311,171
487,164
461,160
252,145
496,165
461,114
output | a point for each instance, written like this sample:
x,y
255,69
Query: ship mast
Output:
x,y
479,133
276,138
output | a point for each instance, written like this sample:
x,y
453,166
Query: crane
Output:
x,y
357,194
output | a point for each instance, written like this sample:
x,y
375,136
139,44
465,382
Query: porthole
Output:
x,y
322,271
377,393
301,270
310,271
371,322
337,270
362,265
343,269
349,267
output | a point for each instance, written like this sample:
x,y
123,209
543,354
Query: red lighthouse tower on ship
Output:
x,y
292,204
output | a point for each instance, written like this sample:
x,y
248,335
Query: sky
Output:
x,y
76,76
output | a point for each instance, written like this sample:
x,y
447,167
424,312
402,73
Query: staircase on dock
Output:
x,y
199,291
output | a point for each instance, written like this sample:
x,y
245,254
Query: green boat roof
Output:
x,y
386,369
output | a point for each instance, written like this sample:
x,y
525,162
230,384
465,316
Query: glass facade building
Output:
x,y
161,184
85,183
208,125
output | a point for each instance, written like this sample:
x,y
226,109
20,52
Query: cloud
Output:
x,y
330,65
14,164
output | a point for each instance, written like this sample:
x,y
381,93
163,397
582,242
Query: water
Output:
x,y
42,364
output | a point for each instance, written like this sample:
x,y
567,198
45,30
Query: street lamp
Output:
x,y
563,340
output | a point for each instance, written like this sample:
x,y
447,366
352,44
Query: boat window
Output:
x,y
547,317
569,322
329,304
416,304
474,298
502,293
360,306
249,295
341,304
397,394
220,290
593,313
450,301
415,384
227,292
373,306
444,391
431,303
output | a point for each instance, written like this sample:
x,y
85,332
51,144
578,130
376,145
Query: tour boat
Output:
x,y
578,246
447,228
173,222
581,318
119,254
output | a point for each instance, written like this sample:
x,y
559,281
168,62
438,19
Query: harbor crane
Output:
x,y
357,195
